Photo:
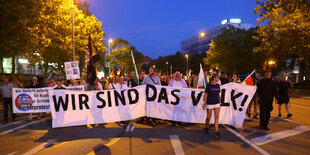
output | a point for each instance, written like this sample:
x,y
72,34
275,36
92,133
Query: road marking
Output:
x,y
247,141
40,147
299,106
291,121
23,126
279,135
5,125
12,153
114,140
176,143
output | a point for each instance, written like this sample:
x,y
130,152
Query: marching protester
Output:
x,y
212,103
153,80
283,97
223,78
6,93
177,82
141,76
206,78
52,83
34,84
267,90
234,78
190,82
131,81
122,84
74,83
46,82
18,84
113,83
59,84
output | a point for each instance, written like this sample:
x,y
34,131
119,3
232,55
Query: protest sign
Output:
x,y
72,70
71,108
34,100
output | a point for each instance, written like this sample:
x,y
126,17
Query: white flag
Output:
x,y
201,79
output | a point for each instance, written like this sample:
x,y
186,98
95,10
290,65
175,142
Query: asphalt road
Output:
x,y
287,136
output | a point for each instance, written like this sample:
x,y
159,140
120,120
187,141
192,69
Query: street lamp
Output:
x,y
109,50
201,35
167,68
186,55
73,43
271,63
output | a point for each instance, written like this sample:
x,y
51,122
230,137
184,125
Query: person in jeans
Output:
x,y
212,103
6,91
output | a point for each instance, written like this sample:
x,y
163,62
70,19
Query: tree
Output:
x,y
42,31
286,33
232,51
121,54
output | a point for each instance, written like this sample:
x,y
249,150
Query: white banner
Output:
x,y
71,108
34,100
72,70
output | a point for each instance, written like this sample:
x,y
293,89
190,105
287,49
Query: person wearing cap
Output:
x,y
59,84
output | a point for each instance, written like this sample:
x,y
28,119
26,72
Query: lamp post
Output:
x,y
186,56
109,50
167,67
201,35
270,64
73,43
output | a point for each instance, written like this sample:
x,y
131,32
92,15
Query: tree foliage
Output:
x,y
42,31
121,54
232,51
286,33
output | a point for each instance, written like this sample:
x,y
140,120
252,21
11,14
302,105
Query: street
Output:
x,y
287,136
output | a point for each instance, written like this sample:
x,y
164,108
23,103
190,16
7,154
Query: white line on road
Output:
x,y
176,143
5,125
24,125
12,153
279,135
40,147
299,106
247,141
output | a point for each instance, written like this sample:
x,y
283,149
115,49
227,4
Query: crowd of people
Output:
x,y
267,91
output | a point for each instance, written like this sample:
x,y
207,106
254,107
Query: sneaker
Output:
x,y
289,115
132,128
206,130
255,116
217,135
249,115
279,115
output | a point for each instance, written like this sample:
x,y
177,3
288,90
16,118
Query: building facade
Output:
x,y
199,43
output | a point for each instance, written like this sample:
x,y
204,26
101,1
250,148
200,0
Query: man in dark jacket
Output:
x,y
267,90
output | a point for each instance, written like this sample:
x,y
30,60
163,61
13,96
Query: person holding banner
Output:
x,y
59,84
35,84
177,82
212,103
113,83
141,76
131,82
122,84
267,90
6,91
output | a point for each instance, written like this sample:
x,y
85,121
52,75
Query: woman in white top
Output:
x,y
122,84
113,84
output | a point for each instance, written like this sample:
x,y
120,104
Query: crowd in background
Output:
x,y
212,79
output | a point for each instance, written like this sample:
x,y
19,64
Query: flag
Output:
x,y
250,80
119,71
135,69
201,79
112,74
93,58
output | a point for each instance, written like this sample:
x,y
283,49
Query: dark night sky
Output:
x,y
157,27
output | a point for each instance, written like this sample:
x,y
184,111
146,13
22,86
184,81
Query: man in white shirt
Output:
x,y
6,91
177,81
